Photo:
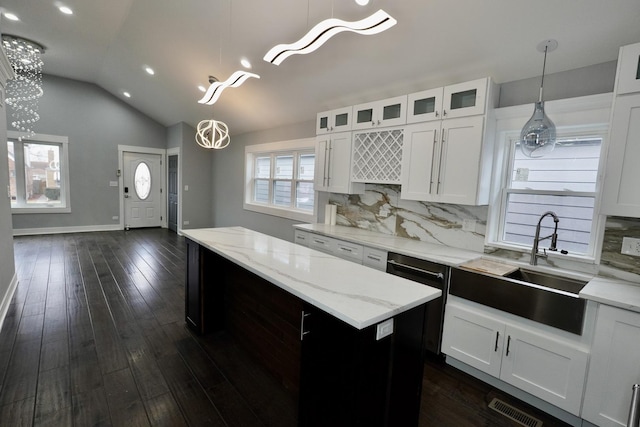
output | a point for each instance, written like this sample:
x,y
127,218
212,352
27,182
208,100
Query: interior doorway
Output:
x,y
172,192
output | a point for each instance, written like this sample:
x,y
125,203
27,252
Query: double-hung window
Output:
x,y
279,179
38,174
565,181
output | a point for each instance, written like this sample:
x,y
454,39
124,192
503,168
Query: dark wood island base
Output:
x,y
342,376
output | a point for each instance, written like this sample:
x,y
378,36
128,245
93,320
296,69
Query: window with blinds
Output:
x,y
565,182
279,179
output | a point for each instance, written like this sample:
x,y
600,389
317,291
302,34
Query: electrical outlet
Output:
x,y
115,217
384,329
469,225
185,222
630,246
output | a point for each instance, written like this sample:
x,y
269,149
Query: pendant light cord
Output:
x,y
544,66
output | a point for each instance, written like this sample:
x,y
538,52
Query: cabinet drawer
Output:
x,y
348,251
321,243
374,258
301,237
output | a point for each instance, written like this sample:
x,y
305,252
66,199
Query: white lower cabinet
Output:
x,y
374,258
614,367
301,237
538,363
370,257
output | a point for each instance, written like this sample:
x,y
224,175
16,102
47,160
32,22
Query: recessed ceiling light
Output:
x,y
149,70
66,10
11,16
127,94
245,63
202,88
362,2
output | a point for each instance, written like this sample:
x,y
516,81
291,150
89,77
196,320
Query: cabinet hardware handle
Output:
x,y
345,249
508,344
329,165
433,158
302,331
396,264
378,121
497,336
444,113
373,258
442,147
436,114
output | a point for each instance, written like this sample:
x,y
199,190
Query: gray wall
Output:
x,y
197,202
584,81
228,181
95,123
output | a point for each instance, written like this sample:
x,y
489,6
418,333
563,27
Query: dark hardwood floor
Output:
x,y
95,336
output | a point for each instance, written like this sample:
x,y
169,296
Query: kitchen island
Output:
x,y
345,338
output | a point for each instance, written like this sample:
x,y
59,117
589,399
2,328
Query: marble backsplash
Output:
x,y
380,209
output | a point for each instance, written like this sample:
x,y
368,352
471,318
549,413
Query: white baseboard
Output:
x,y
61,230
6,299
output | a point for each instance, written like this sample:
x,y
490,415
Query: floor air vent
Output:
x,y
514,414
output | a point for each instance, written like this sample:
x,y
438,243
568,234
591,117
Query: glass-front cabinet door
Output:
x,y
465,99
338,120
424,106
629,69
387,112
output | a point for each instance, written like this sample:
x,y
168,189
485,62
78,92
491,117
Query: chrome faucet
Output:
x,y
554,238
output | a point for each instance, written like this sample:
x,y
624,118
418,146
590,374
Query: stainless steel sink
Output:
x,y
545,298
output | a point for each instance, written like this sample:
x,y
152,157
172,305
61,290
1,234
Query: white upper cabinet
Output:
x,y
446,162
333,164
620,195
425,105
338,120
459,100
387,112
447,158
628,78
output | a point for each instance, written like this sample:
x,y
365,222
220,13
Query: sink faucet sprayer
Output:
x,y
554,239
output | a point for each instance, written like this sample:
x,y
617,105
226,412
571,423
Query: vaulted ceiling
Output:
x,y
435,42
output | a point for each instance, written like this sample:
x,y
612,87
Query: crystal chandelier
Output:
x,y
25,89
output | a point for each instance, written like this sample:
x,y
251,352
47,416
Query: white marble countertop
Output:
x,y
429,251
358,295
614,292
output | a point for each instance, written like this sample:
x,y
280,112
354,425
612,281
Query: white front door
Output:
x,y
142,190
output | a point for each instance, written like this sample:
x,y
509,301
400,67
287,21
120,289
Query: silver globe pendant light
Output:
x,y
538,136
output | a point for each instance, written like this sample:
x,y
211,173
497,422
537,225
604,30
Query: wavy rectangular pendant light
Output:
x,y
326,29
215,89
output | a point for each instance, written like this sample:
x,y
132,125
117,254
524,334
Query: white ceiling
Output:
x,y
435,42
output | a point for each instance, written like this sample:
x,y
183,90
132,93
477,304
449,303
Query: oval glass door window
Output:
x,y
142,180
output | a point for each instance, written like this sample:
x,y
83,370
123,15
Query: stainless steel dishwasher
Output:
x,y
431,274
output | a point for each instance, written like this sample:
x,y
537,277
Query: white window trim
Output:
x,y
64,158
588,115
250,152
